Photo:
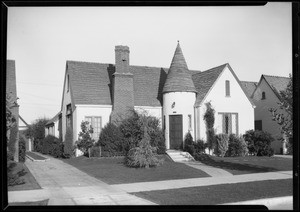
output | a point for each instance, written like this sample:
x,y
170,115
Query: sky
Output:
x,y
254,40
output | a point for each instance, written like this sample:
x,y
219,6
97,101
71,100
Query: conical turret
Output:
x,y
179,78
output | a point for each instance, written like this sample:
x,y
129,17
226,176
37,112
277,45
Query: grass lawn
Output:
x,y
29,181
42,202
35,156
113,171
219,194
250,164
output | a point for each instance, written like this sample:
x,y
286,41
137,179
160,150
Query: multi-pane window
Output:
x,y
227,87
229,123
69,116
95,122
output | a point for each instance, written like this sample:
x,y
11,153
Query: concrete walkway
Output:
x,y
206,181
212,171
63,184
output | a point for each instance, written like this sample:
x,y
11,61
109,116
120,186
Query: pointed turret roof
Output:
x,y
179,77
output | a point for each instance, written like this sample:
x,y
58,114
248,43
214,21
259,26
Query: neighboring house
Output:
x,y
265,96
53,126
101,93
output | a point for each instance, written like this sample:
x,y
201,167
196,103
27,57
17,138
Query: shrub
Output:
x,y
94,151
209,117
52,146
221,144
237,146
189,144
13,178
68,144
22,149
85,140
259,142
38,143
200,146
143,155
110,139
132,129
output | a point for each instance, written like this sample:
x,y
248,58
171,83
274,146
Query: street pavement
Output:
x,y
64,184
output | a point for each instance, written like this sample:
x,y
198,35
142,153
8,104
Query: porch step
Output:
x,y
180,156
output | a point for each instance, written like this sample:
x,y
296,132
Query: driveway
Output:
x,y
63,184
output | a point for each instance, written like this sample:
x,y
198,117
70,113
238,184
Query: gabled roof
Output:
x,y
203,81
11,86
179,77
249,87
54,119
276,83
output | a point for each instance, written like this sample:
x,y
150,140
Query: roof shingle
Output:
x,y
277,83
249,87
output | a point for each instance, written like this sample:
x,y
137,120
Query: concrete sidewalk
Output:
x,y
206,181
63,184
212,171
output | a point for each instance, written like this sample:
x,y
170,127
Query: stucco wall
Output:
x,y
184,105
236,103
262,112
90,110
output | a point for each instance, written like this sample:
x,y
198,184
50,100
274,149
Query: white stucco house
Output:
x,y
100,92
53,126
267,95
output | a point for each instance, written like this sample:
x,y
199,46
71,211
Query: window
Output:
x,y
263,95
229,123
227,87
190,122
95,122
258,125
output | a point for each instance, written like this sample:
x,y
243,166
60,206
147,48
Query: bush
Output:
x,y
94,151
85,140
132,129
143,155
52,146
259,142
68,143
221,144
189,144
200,146
209,117
110,139
22,149
12,177
237,146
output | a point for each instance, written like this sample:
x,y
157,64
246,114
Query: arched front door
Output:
x,y
176,138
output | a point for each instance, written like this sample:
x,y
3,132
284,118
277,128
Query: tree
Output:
x,y
85,141
36,131
11,128
209,118
285,120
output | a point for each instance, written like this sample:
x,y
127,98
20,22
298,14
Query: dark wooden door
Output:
x,y
175,131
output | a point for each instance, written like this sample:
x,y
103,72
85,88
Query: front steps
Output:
x,y
179,156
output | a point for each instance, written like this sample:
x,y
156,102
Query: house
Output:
x,y
11,90
266,95
53,126
100,93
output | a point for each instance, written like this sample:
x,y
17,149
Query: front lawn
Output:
x,y
29,181
220,194
113,171
249,164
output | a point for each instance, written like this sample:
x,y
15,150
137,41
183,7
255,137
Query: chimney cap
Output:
x,y
121,48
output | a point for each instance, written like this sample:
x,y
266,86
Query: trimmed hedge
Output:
x,y
52,146
68,144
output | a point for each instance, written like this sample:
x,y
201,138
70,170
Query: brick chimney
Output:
x,y
123,94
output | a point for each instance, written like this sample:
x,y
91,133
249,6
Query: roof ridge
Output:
x,y
248,81
211,69
274,76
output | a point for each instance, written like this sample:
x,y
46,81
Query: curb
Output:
x,y
277,203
